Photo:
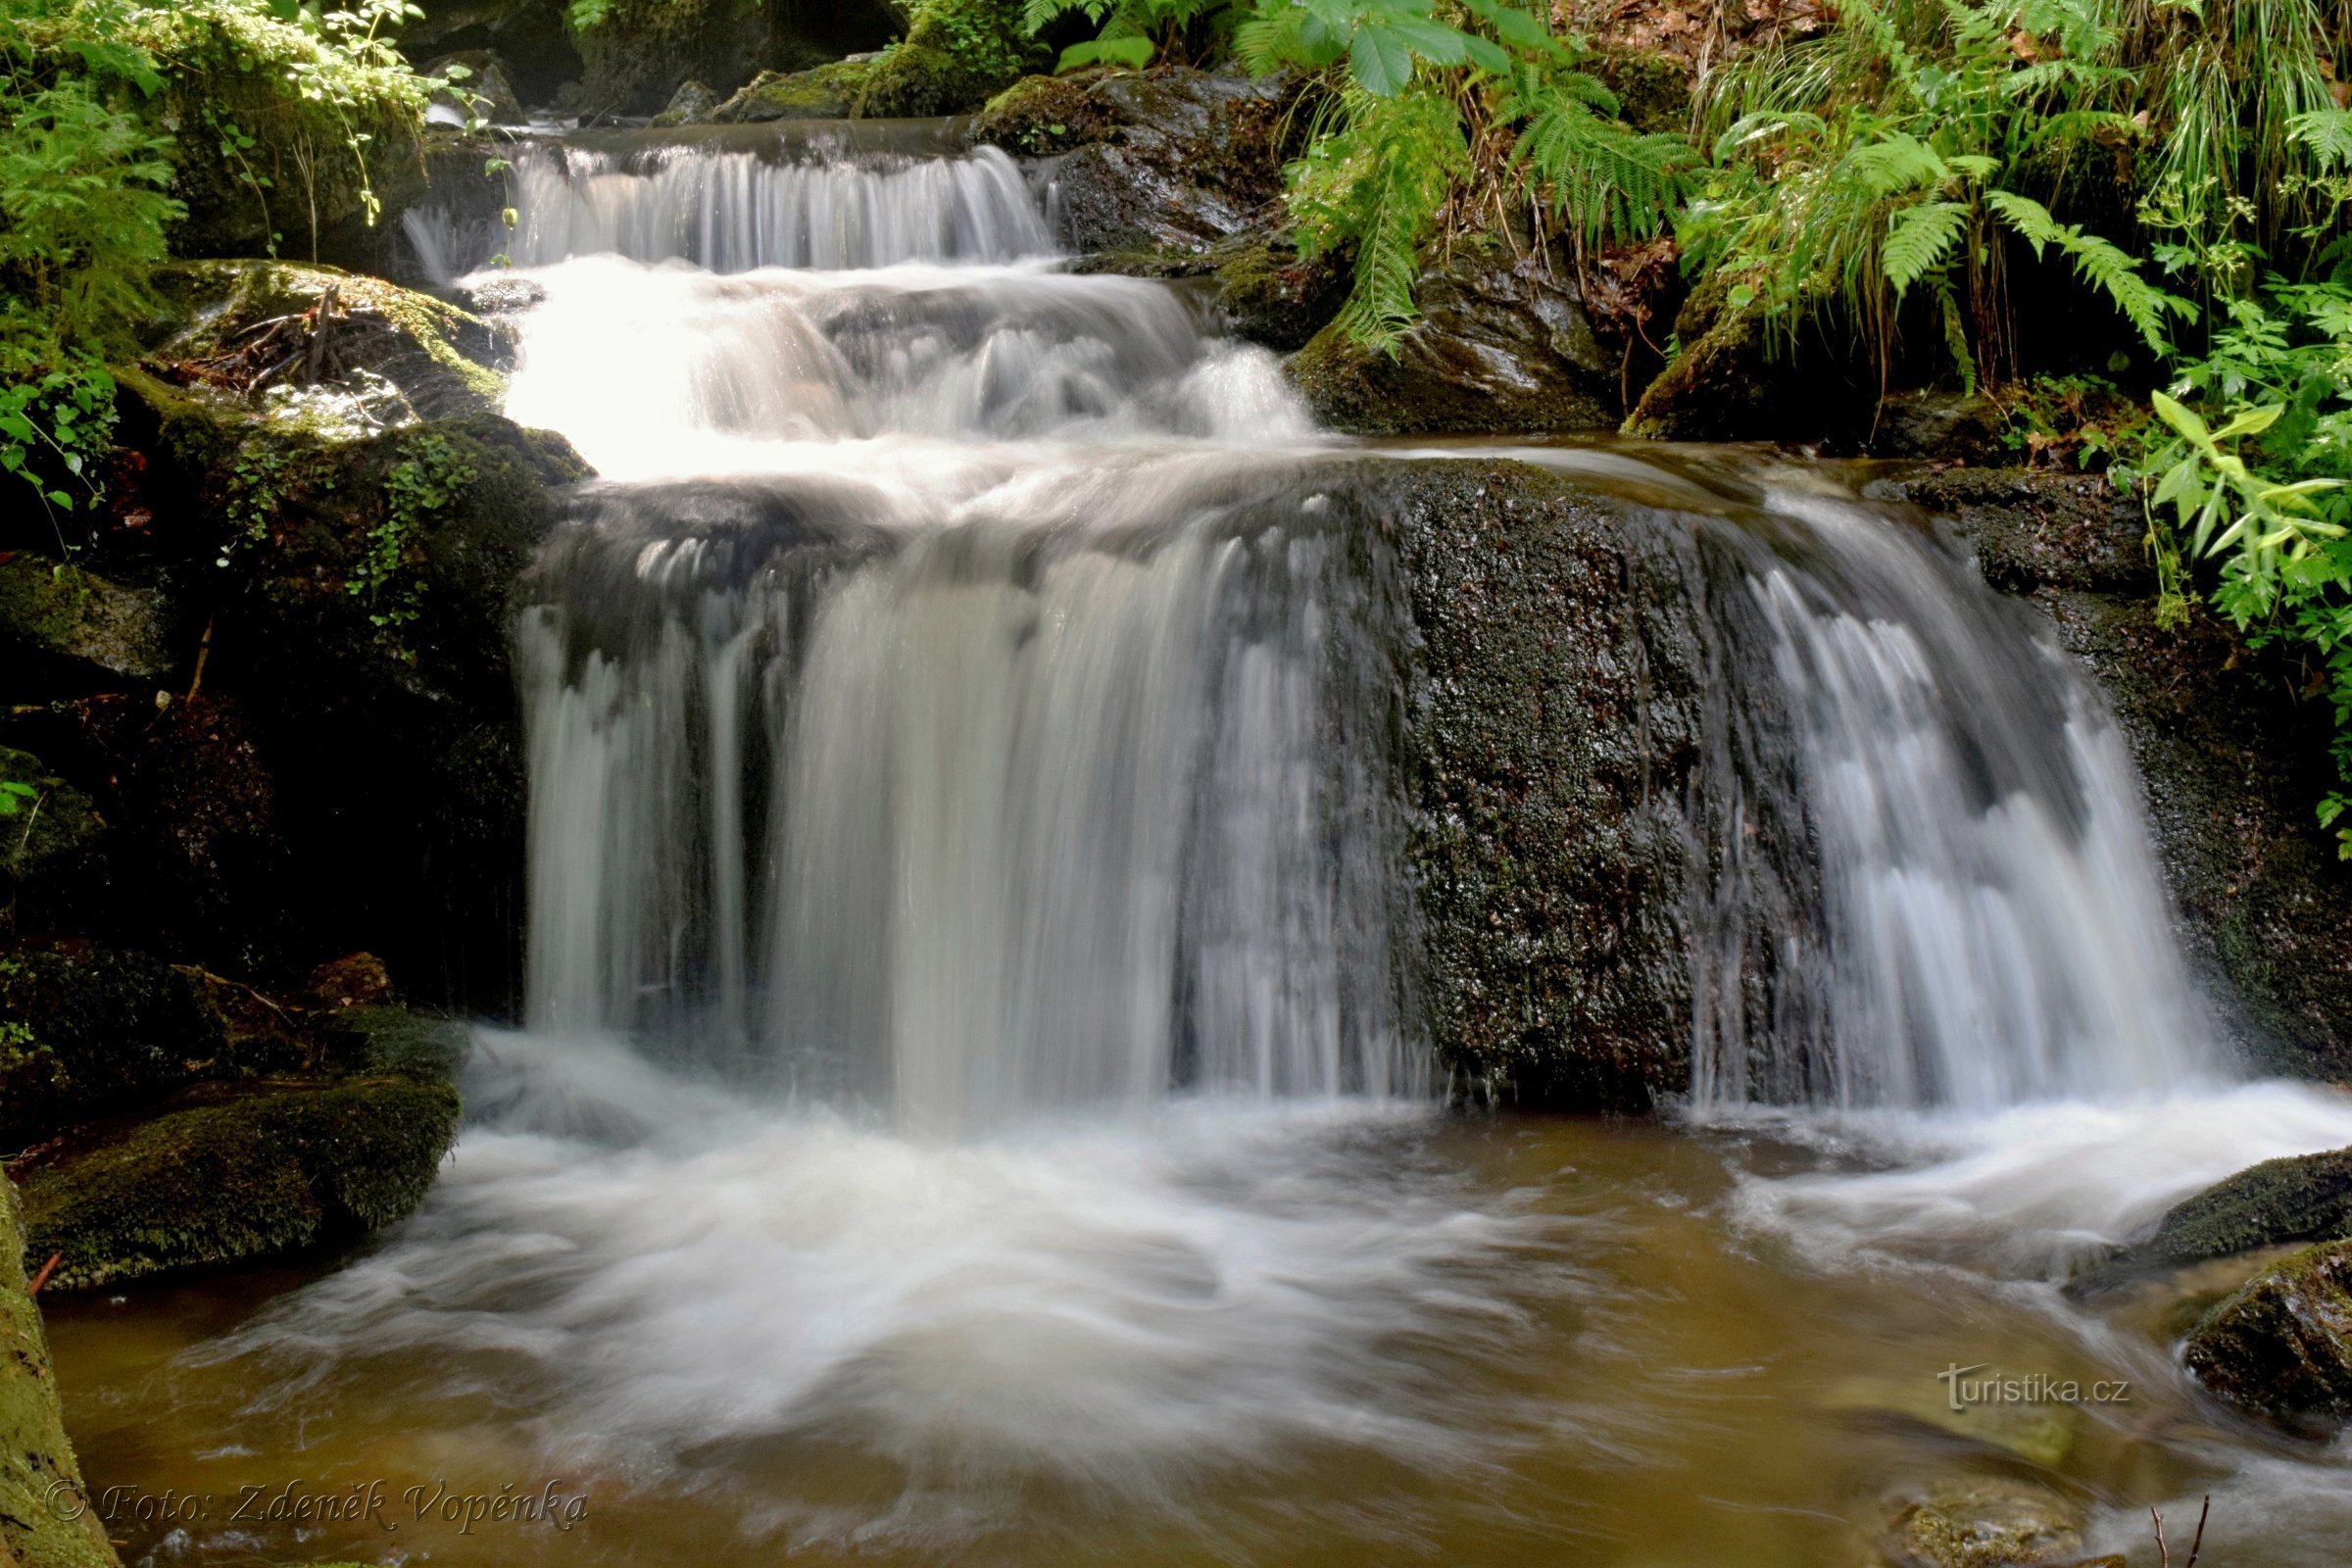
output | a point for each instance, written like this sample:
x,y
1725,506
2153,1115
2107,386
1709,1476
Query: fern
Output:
x,y
1379,183
1921,242
1606,180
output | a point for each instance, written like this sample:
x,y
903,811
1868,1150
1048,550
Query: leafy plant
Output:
x,y
1131,32
2260,486
430,476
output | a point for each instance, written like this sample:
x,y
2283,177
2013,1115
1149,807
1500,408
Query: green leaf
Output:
x,y
1380,61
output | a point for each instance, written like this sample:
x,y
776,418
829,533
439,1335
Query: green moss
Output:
x,y
234,1172
2282,1346
96,1033
957,54
1990,1523
40,1483
262,162
1038,116
828,92
1654,90
67,613
2306,1198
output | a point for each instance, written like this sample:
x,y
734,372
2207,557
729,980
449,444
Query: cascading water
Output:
x,y
971,1105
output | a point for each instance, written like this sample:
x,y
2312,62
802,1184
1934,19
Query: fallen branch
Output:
x,y
42,1278
2164,1553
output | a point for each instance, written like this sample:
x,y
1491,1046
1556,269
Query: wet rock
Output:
x,y
2304,1197
266,332
1939,424
2232,758
47,1520
1730,382
2281,1348
957,54
638,54
92,1032
481,87
234,1172
49,834
528,36
1554,730
1260,289
1496,349
1170,159
78,630
356,980
692,104
1988,1522
825,92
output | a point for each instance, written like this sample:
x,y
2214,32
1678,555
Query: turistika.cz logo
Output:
x,y
1968,1386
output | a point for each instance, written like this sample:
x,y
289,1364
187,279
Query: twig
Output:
x,y
2164,1553
42,1278
203,651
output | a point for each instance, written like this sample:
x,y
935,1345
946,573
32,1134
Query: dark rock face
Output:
x,y
1497,348
481,87
1169,160
636,56
2305,1197
529,35
51,841
2232,762
1554,730
2281,1348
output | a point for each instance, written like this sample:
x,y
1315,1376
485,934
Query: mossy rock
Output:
x,y
1490,351
2304,1197
444,361
1040,116
259,164
1988,1522
1654,90
639,52
46,1518
693,103
234,1172
957,54
2281,1348
49,833
826,92
95,1033
72,627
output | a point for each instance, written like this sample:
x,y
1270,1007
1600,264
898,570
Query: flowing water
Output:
x,y
969,1109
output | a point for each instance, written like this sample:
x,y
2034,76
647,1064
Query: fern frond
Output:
x,y
1921,241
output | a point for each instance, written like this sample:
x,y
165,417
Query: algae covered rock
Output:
x,y
1986,1522
2303,1198
822,92
691,105
257,328
93,1032
231,1171
46,1517
2281,1347
957,54
82,628
1495,349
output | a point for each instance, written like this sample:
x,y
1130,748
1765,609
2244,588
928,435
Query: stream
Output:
x,y
968,1108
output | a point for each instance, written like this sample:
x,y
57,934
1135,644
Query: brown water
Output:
x,y
1656,1383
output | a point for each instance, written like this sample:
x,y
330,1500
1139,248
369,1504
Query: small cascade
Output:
x,y
1976,920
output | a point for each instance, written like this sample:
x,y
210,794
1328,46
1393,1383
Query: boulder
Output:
x,y
1168,159
1729,381
2232,760
1496,348
47,1520
50,836
229,1171
93,1032
480,88
529,39
1950,427
824,92
2303,1198
1260,287
1986,1522
638,53
296,162
78,630
260,332
955,55
693,103
2281,1348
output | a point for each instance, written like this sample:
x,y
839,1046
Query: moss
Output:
x,y
1989,1523
828,92
81,625
1038,116
1654,90
46,1517
2282,1346
234,1172
957,54
638,54
2305,1197
261,161
96,1033
49,830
